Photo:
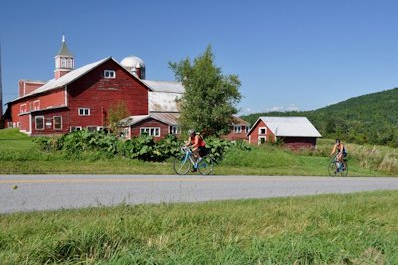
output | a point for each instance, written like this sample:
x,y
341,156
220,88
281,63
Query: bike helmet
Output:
x,y
191,131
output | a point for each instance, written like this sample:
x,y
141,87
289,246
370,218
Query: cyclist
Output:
x,y
341,151
197,144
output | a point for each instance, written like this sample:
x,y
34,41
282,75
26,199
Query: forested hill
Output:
x,y
371,118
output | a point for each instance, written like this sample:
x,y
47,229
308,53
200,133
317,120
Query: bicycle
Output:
x,y
182,163
338,168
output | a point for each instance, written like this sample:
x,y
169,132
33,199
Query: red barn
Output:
x,y
82,98
238,129
294,132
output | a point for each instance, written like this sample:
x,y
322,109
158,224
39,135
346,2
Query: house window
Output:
x,y
262,139
36,105
57,123
84,112
75,128
9,124
152,131
109,74
247,129
175,130
39,123
22,108
237,129
92,128
262,130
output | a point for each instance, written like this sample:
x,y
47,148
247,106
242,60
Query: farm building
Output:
x,y
294,132
83,98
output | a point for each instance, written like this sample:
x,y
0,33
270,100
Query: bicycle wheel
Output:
x,y
344,171
332,169
205,166
182,165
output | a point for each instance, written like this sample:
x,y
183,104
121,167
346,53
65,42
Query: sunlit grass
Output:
x,y
20,155
328,229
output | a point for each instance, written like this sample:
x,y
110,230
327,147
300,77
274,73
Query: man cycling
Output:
x,y
341,151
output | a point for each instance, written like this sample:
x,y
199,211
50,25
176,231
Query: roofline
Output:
x,y
77,77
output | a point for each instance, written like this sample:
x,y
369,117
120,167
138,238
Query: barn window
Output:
x,y
151,131
109,74
262,139
57,123
39,123
63,63
36,105
237,129
175,130
75,128
262,130
92,128
22,108
84,111
247,129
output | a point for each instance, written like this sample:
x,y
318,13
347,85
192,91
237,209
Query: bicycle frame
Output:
x,y
188,155
203,164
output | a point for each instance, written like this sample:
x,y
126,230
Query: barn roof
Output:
x,y
169,118
164,86
65,79
239,121
289,126
70,77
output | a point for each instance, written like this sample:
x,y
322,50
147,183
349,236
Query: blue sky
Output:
x,y
289,55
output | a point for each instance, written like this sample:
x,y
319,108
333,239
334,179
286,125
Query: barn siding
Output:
x,y
164,128
99,94
297,143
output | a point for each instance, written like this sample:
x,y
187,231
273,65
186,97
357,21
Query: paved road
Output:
x,y
47,192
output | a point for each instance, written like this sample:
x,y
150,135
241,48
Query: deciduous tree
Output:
x,y
210,97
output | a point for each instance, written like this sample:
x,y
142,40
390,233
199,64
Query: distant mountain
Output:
x,y
371,118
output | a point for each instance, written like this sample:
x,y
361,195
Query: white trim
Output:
x,y
261,128
34,107
66,95
54,123
109,74
30,123
20,108
44,123
261,137
84,111
76,127
237,129
151,131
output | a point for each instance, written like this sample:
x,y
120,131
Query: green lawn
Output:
x,y
20,155
327,229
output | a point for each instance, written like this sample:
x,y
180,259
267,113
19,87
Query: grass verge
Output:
x,y
20,155
327,229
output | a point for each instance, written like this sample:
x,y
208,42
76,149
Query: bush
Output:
x,y
78,143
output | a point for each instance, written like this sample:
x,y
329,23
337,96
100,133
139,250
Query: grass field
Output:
x,y
325,229
20,155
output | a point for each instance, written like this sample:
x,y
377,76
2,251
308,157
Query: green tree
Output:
x,y
117,112
210,97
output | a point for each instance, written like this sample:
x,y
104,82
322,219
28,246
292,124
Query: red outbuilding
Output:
x,y
294,132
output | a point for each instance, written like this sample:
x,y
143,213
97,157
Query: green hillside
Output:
x,y
371,118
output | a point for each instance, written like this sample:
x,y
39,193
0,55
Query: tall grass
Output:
x,y
326,229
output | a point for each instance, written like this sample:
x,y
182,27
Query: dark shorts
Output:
x,y
203,150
